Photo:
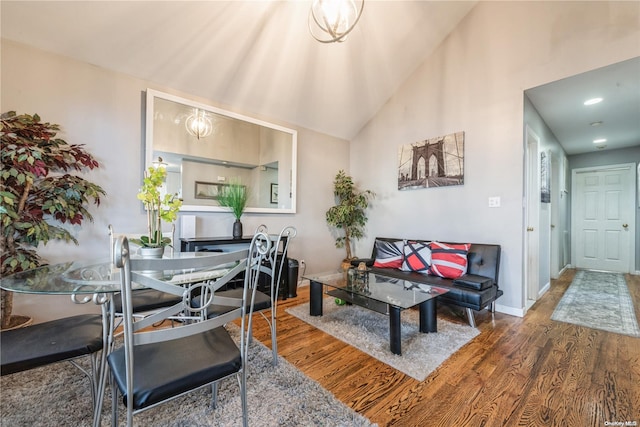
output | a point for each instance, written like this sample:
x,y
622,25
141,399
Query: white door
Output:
x,y
532,212
603,218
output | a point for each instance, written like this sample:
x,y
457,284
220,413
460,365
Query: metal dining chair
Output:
x,y
59,340
272,269
157,365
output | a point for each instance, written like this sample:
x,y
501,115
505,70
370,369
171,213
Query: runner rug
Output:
x,y
59,395
598,300
368,331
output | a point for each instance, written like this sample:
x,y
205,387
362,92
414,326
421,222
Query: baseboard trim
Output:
x,y
518,312
544,290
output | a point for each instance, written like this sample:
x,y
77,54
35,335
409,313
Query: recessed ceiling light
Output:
x,y
599,141
592,101
596,123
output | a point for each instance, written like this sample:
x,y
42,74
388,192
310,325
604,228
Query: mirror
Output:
x,y
205,148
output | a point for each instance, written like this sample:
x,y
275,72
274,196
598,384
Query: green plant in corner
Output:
x,y
159,208
348,216
38,194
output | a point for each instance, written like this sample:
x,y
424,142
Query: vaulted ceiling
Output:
x,y
258,58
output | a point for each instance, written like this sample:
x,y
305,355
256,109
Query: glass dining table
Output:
x,y
96,281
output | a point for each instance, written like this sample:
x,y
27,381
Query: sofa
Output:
x,y
469,271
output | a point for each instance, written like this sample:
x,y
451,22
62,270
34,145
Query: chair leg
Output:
x,y
214,395
114,403
470,316
492,307
243,397
274,338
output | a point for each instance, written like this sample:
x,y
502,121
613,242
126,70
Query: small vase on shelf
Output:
x,y
237,229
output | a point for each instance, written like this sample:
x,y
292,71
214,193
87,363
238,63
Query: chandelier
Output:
x,y
331,20
199,124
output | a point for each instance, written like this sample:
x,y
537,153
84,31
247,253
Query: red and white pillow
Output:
x,y
389,254
417,257
449,260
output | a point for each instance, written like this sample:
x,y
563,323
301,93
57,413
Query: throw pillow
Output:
x,y
448,260
388,254
417,257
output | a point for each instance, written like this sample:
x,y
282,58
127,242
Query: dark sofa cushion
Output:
x,y
457,295
474,281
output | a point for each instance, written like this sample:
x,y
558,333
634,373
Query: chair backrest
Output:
x,y
132,270
277,255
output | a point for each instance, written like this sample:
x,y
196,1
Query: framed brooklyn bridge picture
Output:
x,y
433,162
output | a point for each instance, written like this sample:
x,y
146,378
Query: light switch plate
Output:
x,y
494,202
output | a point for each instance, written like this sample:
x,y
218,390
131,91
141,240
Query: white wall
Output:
x,y
104,110
474,83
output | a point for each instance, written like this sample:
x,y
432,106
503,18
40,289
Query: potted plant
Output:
x,y
159,208
234,196
348,216
38,194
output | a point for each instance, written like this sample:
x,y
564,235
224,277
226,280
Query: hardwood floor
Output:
x,y
517,372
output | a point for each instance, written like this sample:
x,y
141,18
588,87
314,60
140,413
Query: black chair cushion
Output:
x,y
185,363
50,342
146,300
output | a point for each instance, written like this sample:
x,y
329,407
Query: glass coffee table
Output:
x,y
381,294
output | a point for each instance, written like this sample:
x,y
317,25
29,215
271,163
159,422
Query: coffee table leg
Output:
x,y
428,321
315,298
395,334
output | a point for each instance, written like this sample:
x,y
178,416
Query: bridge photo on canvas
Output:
x,y
433,162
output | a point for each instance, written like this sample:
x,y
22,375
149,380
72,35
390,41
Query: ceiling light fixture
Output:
x,y
599,141
199,124
592,101
331,20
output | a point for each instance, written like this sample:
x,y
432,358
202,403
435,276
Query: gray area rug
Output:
x,y
368,331
59,395
598,300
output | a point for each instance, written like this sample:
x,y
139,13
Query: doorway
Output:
x,y
603,218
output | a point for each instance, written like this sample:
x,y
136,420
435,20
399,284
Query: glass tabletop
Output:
x,y
100,276
397,292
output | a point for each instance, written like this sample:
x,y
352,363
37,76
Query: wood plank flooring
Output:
x,y
517,372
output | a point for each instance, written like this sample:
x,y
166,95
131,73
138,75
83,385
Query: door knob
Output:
x,y
529,228
625,225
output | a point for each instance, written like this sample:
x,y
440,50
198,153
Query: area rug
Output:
x,y
368,331
58,395
598,300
